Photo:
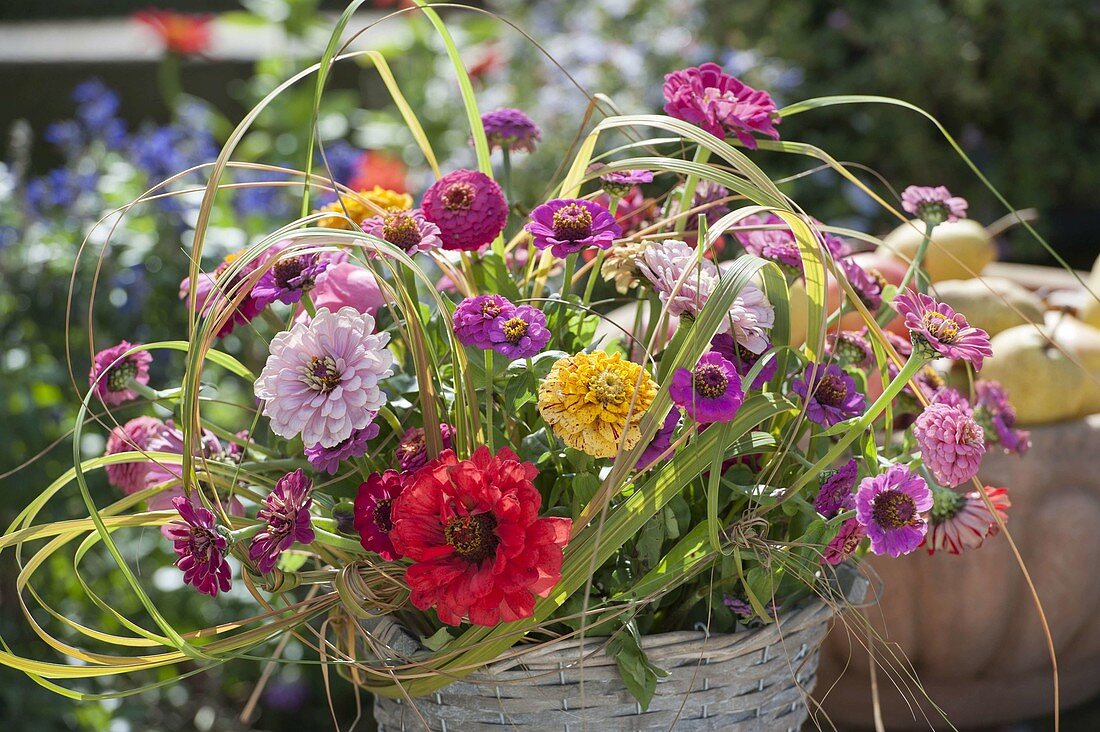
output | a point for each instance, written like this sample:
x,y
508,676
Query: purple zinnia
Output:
x,y
933,205
521,334
889,507
568,225
831,394
286,512
743,359
951,443
475,318
661,441
412,450
851,347
709,199
775,244
941,328
994,411
409,231
111,374
328,459
510,129
836,491
289,278
711,392
618,183
738,607
720,103
868,288
468,207
844,544
200,547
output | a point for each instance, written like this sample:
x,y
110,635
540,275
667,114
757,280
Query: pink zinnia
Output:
x,y
218,289
750,319
409,231
200,547
510,129
133,436
346,285
664,264
322,379
836,491
720,103
568,225
475,317
374,512
111,374
468,207
960,522
889,507
942,329
998,418
775,244
951,443
844,544
412,451
286,512
933,205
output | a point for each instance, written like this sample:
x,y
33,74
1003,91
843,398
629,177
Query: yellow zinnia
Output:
x,y
592,399
359,208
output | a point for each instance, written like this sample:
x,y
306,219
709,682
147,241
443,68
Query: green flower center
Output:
x,y
321,374
119,377
946,505
572,222
473,537
608,388
894,509
710,380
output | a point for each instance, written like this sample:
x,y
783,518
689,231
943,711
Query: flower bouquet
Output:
x,y
568,450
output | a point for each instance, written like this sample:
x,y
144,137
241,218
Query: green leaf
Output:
x,y
437,640
635,668
496,277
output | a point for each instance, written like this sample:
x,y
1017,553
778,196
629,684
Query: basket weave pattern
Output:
x,y
738,682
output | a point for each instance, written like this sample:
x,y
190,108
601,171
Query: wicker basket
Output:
x,y
754,680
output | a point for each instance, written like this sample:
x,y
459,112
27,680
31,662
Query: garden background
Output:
x,y
98,111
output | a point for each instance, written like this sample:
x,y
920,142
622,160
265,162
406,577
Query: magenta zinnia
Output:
x,y
618,183
845,543
111,374
201,548
412,450
568,225
286,512
933,205
134,436
711,392
322,379
661,441
942,329
476,317
998,418
960,522
468,207
889,507
289,278
951,443
328,459
720,103
374,511
836,491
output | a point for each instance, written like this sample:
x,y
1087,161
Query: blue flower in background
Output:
x,y
61,187
97,111
343,159
266,201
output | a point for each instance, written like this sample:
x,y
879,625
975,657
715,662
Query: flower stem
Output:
x,y
307,303
489,402
567,281
702,154
914,266
598,265
506,173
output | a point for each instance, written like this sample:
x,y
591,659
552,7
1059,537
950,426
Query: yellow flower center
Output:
x,y
514,330
942,328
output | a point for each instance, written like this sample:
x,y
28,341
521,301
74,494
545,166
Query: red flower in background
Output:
x,y
182,33
376,168
478,546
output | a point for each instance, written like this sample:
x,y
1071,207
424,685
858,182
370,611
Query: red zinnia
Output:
x,y
478,547
378,168
182,33
374,512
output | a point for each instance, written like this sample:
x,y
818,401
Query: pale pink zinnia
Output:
x,y
933,205
322,378
111,374
951,443
134,436
960,522
750,319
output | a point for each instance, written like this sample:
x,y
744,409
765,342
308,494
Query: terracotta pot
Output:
x,y
967,623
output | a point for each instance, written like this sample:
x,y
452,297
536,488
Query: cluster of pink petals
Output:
x,y
286,513
406,230
970,525
720,103
944,330
134,436
933,204
890,506
844,544
200,548
951,443
322,378
468,207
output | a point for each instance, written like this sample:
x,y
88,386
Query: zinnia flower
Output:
x,y
845,543
851,348
621,265
406,230
286,512
775,244
412,450
521,334
133,436
737,606
998,418
889,507
664,264
743,359
362,205
618,183
289,278
720,103
374,512
322,378
468,207
959,522
510,129
211,291
830,393
200,547
111,374
475,318
661,441
933,205
328,459
750,318
942,329
951,443
836,491
347,285
181,33
568,225
594,402
479,549
867,287
711,392
708,199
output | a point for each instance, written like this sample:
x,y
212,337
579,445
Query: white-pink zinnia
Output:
x,y
322,378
